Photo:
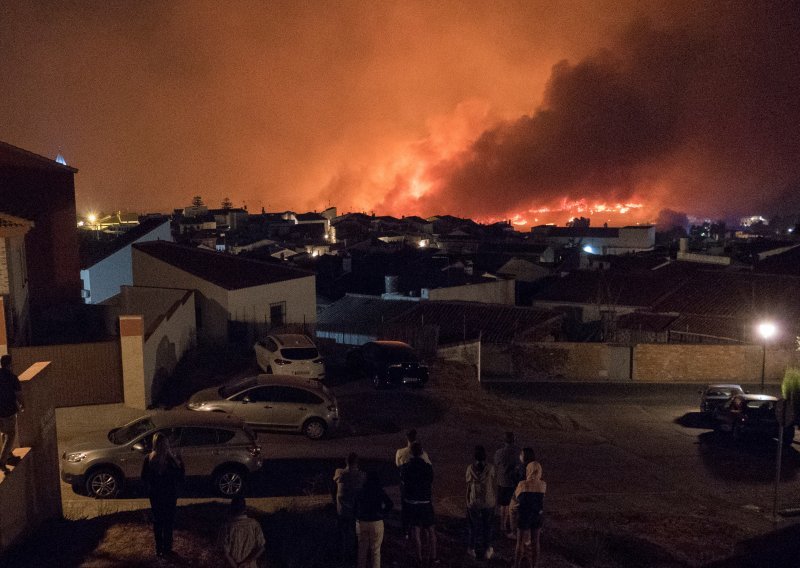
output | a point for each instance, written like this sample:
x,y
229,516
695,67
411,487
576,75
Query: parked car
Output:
x,y
388,363
290,354
746,414
274,402
714,396
216,446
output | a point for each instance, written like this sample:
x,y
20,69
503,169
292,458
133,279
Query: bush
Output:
x,y
790,388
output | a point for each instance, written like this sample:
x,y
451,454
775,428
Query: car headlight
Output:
x,y
195,405
75,457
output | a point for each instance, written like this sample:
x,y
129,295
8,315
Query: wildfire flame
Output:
x,y
411,179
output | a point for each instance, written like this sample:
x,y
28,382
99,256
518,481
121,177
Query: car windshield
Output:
x,y
120,436
230,389
399,355
720,392
299,353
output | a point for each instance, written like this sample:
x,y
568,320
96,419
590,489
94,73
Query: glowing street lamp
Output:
x,y
767,330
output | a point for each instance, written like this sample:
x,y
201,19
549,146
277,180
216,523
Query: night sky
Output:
x,y
526,110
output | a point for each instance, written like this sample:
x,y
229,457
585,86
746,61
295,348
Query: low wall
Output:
x,y
656,363
709,363
31,493
562,361
468,353
86,373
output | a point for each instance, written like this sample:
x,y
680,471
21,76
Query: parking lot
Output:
x,y
633,452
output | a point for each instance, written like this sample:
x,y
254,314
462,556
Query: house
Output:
x,y
14,278
230,219
599,240
105,272
42,192
523,270
236,298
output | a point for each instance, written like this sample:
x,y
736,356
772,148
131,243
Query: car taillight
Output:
x,y
282,362
255,451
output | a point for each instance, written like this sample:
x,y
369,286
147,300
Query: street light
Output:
x,y
767,330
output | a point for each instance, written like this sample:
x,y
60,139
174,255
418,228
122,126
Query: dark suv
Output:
x,y
388,363
746,414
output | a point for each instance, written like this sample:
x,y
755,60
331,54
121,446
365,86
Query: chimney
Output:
x,y
683,244
391,284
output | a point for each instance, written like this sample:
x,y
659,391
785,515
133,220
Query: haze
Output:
x,y
527,110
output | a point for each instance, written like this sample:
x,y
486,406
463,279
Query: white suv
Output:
x,y
290,354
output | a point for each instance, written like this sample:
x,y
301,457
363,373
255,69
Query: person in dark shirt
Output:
x,y
417,479
10,404
371,505
162,472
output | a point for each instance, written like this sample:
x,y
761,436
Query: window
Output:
x,y
277,314
225,436
199,437
261,394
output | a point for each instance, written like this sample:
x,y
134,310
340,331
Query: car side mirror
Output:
x,y
746,392
246,399
139,447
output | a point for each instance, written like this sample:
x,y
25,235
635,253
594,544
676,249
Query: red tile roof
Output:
x,y
224,270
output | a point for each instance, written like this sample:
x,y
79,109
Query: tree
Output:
x,y
197,201
226,203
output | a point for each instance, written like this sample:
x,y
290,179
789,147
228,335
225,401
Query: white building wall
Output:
x,y
104,279
211,300
253,304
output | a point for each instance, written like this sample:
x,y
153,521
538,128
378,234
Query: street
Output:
x,y
632,450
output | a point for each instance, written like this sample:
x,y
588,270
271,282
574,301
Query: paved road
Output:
x,y
631,448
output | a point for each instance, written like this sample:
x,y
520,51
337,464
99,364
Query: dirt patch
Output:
x,y
456,386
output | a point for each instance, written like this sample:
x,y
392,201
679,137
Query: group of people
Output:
x,y
513,483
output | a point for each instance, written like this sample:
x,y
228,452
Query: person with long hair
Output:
x,y
162,473
529,502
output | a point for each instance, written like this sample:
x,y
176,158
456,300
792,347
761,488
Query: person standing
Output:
x,y
402,457
348,481
526,456
10,404
529,498
371,506
241,538
162,473
417,478
481,501
505,463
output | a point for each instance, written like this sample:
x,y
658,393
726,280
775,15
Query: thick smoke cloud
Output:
x,y
464,107
697,114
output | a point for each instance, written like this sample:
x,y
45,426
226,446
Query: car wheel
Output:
x,y
315,428
229,481
103,483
